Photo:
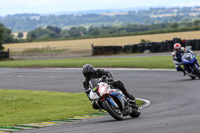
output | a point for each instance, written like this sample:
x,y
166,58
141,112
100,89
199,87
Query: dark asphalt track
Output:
x,y
175,100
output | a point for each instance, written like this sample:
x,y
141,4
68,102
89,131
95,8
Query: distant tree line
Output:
x,y
54,32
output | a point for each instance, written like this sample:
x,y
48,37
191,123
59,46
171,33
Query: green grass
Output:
x,y
40,50
164,62
23,106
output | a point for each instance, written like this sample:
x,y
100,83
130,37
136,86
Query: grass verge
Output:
x,y
164,62
24,106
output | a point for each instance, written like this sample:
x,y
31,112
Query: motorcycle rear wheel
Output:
x,y
192,77
115,113
135,111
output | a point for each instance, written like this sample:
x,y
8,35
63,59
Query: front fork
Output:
x,y
110,100
188,68
197,64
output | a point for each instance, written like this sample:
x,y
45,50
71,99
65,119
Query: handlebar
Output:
x,y
107,80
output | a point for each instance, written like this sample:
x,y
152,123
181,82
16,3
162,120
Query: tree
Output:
x,y
55,29
5,36
1,36
64,33
20,35
174,25
93,31
76,31
196,23
42,34
31,36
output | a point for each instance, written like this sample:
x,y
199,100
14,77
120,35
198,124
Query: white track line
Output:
x,y
146,102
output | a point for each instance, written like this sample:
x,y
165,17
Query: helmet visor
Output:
x,y
178,49
89,75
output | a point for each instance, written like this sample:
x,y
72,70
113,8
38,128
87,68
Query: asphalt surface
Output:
x,y
175,100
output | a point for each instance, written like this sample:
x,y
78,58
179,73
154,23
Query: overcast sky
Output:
x,y
9,7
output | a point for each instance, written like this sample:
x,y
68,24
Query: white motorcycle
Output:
x,y
112,99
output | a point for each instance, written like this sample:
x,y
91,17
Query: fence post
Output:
x,y
92,47
8,53
51,52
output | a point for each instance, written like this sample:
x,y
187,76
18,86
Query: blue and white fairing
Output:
x,y
118,94
189,58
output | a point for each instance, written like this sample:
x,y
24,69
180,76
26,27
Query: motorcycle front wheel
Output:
x,y
197,71
114,112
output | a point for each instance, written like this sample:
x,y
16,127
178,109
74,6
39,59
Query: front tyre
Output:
x,y
115,113
196,71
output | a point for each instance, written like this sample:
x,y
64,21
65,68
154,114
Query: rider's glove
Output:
x,y
103,78
88,91
178,63
118,83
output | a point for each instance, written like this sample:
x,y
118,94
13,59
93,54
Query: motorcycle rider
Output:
x,y
89,72
177,55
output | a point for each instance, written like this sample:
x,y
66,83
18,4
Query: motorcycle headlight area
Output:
x,y
102,89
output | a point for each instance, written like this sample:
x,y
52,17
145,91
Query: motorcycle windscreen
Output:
x,y
188,58
93,83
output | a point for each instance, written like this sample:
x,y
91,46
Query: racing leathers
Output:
x,y
100,73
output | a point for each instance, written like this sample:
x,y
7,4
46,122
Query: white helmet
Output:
x,y
177,47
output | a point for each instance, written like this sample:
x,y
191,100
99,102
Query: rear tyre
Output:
x,y
135,111
192,77
115,113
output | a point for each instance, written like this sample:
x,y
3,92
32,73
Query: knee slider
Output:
x,y
178,68
94,105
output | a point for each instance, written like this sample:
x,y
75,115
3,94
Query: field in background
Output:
x,y
82,47
85,44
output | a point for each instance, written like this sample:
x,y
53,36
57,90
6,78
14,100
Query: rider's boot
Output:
x,y
131,97
182,70
184,73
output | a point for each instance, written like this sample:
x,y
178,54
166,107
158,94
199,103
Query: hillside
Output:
x,y
27,22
